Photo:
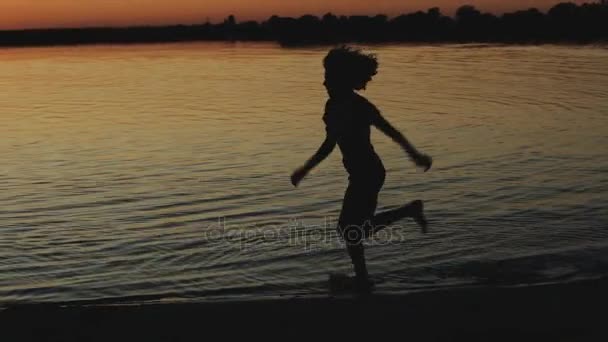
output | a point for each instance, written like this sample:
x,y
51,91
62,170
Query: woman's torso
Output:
x,y
349,119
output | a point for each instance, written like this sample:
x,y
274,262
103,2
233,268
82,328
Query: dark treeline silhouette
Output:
x,y
565,22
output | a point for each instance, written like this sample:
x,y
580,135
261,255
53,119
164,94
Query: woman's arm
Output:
x,y
385,127
324,150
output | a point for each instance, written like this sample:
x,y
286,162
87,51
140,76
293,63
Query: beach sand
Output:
x,y
574,311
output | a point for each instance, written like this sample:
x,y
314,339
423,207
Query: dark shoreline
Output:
x,y
564,23
558,312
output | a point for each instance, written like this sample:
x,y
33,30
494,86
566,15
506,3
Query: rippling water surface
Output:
x,y
162,171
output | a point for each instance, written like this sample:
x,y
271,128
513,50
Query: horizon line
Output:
x,y
259,21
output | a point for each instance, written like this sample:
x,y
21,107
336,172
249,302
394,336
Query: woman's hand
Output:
x,y
423,160
298,175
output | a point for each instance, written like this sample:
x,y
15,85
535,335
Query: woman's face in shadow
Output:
x,y
333,86
326,81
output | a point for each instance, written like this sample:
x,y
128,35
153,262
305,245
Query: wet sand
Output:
x,y
562,312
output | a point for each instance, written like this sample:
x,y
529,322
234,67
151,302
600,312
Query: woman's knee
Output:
x,y
353,234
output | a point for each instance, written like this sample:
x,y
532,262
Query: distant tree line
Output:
x,y
565,22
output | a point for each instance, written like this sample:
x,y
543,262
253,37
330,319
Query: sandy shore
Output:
x,y
564,312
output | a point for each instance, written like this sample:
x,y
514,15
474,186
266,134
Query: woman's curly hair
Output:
x,y
349,67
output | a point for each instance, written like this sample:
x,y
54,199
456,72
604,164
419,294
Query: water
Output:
x,y
162,171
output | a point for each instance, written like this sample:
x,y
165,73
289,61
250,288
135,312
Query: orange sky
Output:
x,y
16,14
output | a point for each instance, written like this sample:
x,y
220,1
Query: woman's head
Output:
x,y
348,69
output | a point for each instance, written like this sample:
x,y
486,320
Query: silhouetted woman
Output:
x,y
348,118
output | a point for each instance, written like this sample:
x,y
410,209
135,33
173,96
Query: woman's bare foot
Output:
x,y
363,285
417,211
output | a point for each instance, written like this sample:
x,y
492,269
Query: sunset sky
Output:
x,y
17,14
